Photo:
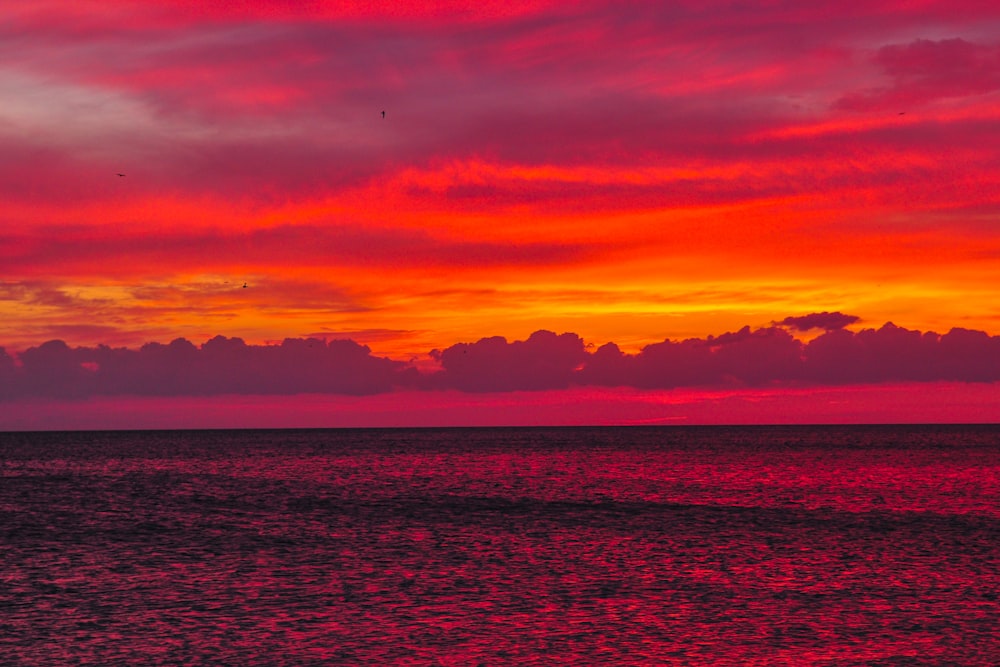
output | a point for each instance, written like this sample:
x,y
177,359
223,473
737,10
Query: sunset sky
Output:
x,y
714,207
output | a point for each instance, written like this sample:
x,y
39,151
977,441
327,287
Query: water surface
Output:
x,y
790,545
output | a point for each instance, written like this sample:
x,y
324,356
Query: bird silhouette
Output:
x,y
121,175
383,114
244,285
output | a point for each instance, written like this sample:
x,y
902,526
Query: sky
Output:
x,y
599,212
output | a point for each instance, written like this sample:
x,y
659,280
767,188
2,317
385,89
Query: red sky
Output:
x,y
627,174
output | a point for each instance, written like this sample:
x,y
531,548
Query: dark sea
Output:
x,y
876,545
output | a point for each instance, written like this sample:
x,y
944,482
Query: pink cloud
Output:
x,y
302,245
234,102
927,70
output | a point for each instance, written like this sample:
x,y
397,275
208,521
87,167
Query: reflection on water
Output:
x,y
827,546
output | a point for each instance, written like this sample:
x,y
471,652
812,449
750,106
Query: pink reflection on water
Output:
x,y
581,546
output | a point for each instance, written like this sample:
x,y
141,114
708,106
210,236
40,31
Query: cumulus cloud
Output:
x,y
6,374
220,366
768,356
893,353
544,361
745,357
824,320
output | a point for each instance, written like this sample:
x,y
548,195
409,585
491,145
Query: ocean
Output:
x,y
839,545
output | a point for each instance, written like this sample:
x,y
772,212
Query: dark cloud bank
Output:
x,y
769,356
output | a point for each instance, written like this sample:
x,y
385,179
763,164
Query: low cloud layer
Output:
x,y
219,366
768,356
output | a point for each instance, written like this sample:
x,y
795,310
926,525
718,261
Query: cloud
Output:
x,y
220,366
7,375
241,104
926,70
765,357
524,150
746,358
543,361
743,358
300,245
893,353
824,320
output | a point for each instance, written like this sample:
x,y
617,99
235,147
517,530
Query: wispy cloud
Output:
x,y
926,71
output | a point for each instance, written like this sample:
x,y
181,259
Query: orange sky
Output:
x,y
625,174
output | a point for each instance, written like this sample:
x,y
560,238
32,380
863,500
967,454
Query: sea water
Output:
x,y
521,546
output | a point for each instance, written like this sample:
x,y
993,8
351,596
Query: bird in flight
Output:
x,y
121,175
